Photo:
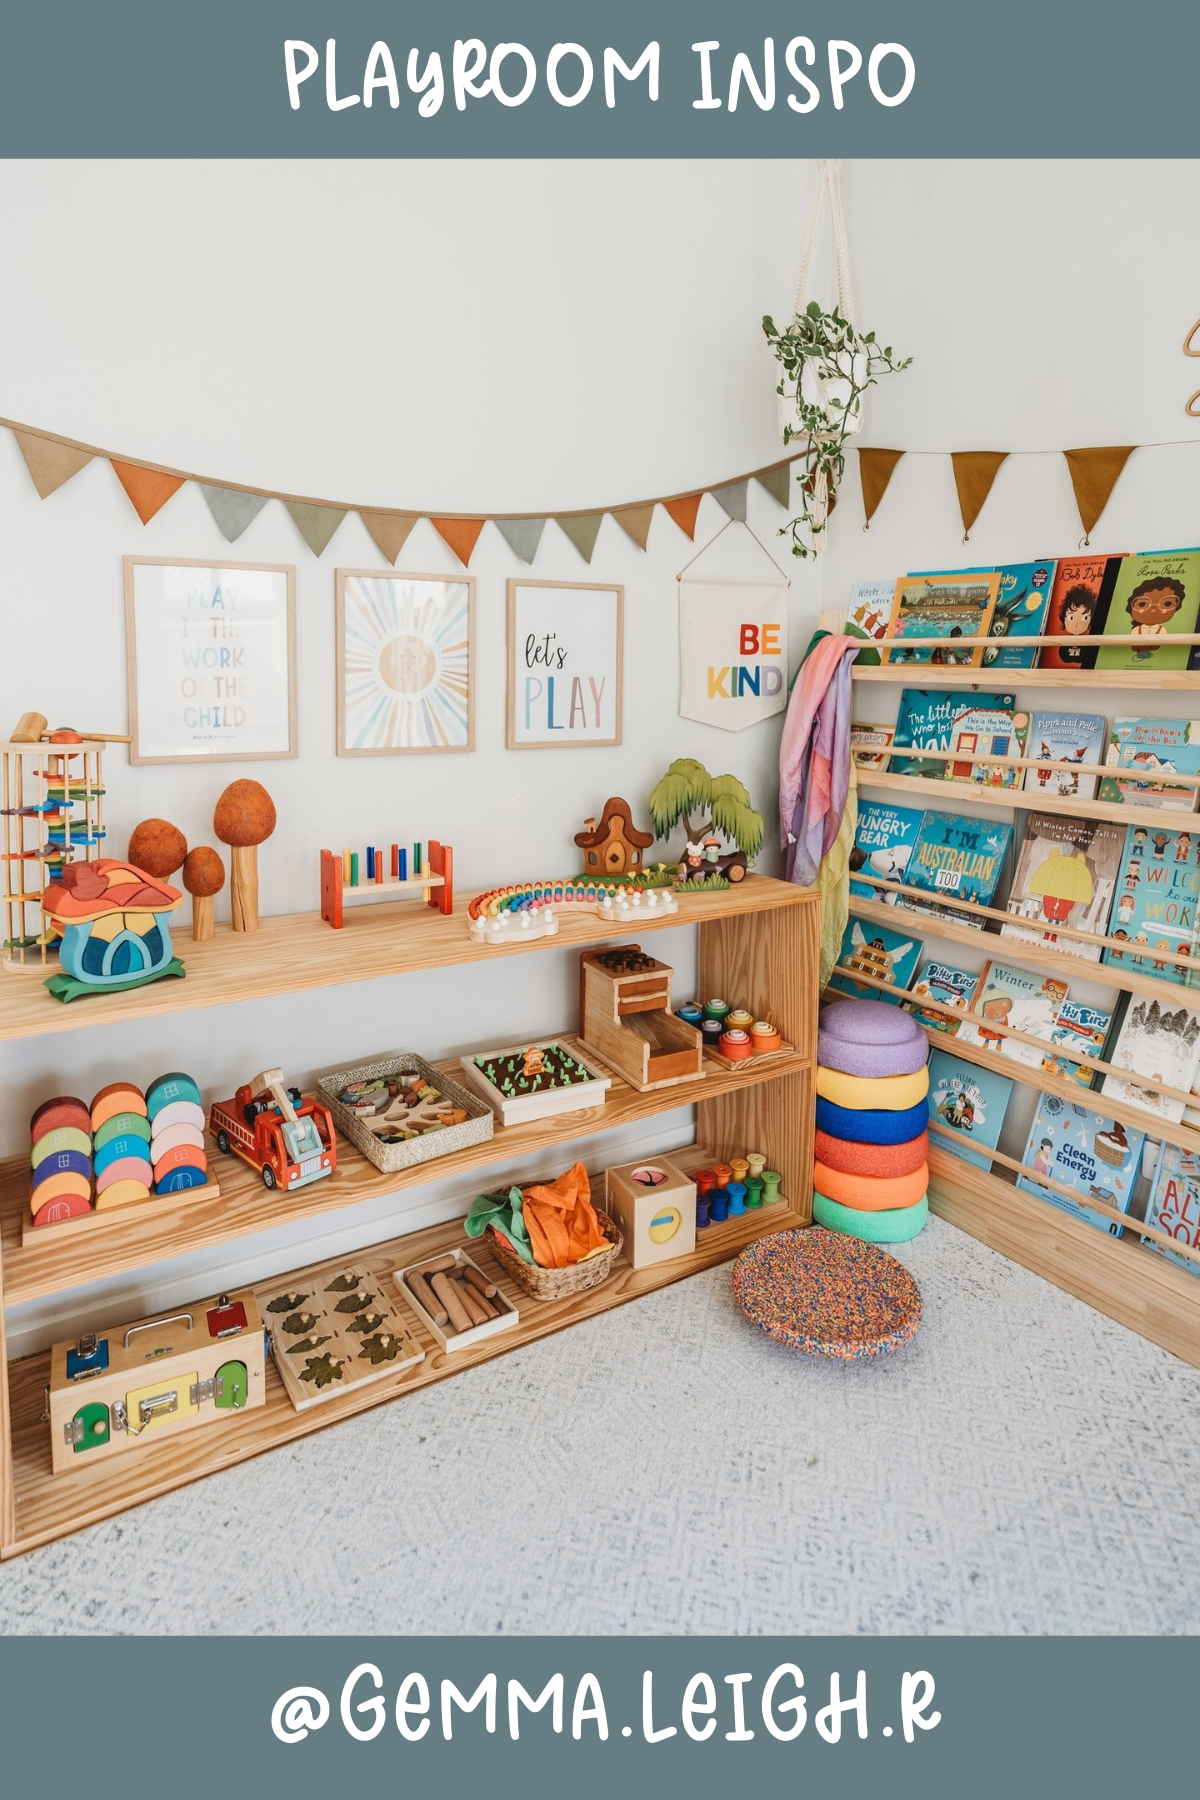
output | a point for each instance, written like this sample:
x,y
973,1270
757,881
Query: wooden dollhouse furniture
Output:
x,y
1118,1276
625,1017
759,940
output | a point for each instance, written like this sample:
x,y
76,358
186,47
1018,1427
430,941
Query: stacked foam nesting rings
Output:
x,y
120,1146
870,1170
176,1133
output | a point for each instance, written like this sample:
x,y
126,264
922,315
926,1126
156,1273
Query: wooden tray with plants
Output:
x,y
533,1081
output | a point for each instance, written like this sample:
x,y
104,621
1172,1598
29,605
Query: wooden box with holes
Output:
x,y
123,1385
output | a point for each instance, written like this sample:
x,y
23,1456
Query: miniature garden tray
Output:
x,y
477,1128
585,1085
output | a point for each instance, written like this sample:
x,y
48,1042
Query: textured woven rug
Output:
x,y
1023,1466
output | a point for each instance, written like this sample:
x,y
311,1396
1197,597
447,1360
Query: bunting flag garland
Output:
x,y
732,499
635,522
684,511
49,462
875,470
232,509
315,523
1094,475
523,536
148,489
974,473
388,530
583,529
777,480
462,535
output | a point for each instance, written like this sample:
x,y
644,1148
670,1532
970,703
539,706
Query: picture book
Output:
x,y
960,857
873,950
1020,612
883,841
1066,737
1078,605
980,729
868,615
1077,1028
869,746
969,1100
1162,1042
1155,597
942,607
942,985
1019,1000
1066,874
1174,1203
1149,747
1155,906
925,721
1096,1157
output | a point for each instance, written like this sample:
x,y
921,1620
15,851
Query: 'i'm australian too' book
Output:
x,y
960,857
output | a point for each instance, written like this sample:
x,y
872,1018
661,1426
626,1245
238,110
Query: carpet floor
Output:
x,y
1024,1466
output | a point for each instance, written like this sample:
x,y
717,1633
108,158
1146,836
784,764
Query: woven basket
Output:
x,y
476,1128
560,1284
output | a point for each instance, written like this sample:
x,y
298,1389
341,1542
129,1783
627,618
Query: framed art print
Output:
x,y
565,657
211,660
406,663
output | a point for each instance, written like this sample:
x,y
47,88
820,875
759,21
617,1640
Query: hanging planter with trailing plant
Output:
x,y
826,366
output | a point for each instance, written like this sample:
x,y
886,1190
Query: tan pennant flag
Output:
x,y
521,535
875,470
1094,476
49,462
778,481
316,524
582,529
974,473
635,522
148,489
389,530
462,535
732,499
684,511
232,509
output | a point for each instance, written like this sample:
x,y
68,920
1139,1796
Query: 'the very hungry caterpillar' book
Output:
x,y
1174,1203
1097,1157
981,730
883,841
941,985
959,857
874,950
1077,1028
1066,874
1161,1042
970,1101
945,607
870,610
1067,737
925,721
1078,605
1155,908
1020,612
1149,747
1019,1000
1155,597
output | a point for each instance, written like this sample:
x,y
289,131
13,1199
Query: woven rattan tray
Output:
x,y
476,1128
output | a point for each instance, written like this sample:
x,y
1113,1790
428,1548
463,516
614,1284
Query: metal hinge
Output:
x,y
212,1389
73,1431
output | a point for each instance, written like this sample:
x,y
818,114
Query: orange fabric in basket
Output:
x,y
562,1222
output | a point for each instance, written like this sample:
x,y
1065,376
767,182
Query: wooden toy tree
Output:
x,y
688,791
203,877
244,818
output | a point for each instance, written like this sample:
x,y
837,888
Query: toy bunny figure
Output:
x,y
692,866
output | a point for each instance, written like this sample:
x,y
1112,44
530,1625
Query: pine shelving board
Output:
x,y
246,1207
937,675
46,1506
928,791
294,952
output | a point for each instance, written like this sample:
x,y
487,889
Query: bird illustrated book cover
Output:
x,y
943,989
1078,1028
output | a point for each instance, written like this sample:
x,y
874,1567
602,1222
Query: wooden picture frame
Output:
x,y
609,665
425,643
151,667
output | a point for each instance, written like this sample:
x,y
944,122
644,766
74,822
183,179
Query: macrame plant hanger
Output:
x,y
827,186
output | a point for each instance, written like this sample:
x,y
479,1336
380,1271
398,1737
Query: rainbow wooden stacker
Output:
x,y
432,879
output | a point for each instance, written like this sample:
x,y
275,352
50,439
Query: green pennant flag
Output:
x,y
732,499
316,524
521,535
232,509
777,481
582,529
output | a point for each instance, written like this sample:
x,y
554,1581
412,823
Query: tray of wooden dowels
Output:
x,y
402,1111
453,1297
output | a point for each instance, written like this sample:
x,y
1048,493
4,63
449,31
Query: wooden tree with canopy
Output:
x,y
721,803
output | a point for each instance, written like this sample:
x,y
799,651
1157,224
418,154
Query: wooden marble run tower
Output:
x,y
52,794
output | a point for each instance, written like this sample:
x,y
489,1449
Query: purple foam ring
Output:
x,y
871,1060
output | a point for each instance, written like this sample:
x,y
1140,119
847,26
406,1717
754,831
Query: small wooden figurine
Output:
x,y
244,818
614,847
626,1018
686,789
203,877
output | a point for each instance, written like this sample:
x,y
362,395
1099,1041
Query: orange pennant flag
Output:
x,y
635,522
148,489
389,530
875,468
462,535
684,512
974,473
49,462
1094,476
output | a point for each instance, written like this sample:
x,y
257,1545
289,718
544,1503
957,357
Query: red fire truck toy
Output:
x,y
290,1142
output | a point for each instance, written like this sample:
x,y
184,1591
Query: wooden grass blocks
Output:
x,y
626,1019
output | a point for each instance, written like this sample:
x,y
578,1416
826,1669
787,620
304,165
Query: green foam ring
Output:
x,y
894,1225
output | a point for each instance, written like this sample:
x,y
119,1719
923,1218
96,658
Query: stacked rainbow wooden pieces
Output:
x,y
871,1170
121,1149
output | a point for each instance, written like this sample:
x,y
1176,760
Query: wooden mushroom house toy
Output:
x,y
203,877
244,818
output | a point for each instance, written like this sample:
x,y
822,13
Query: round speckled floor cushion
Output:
x,y
854,1158
865,1127
870,1093
826,1294
891,1227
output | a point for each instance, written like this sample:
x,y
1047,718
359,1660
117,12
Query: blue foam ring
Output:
x,y
872,1127
175,1180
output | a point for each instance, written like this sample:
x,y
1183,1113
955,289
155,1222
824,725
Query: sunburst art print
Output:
x,y
405,663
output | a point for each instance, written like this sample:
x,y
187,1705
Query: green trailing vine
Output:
x,y
846,363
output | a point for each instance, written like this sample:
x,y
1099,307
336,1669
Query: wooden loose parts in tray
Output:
x,y
476,1128
626,1018
454,1299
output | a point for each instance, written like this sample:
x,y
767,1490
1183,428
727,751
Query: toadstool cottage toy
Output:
x,y
244,818
114,922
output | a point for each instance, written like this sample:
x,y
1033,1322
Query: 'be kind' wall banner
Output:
x,y
733,642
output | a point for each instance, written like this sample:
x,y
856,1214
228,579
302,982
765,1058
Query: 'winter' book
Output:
x,y
1078,604
883,841
1174,1203
1155,597
959,857
1097,1157
1020,612
874,950
870,610
970,1101
1155,908
925,721
945,607
941,985
1078,1028
1066,874
1162,1042
1066,737
1150,747
1019,1000
991,731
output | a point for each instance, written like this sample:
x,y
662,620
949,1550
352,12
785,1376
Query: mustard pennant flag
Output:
x,y
974,473
316,524
232,509
732,498
49,462
389,530
582,529
1094,476
521,535
778,481
635,522
875,470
